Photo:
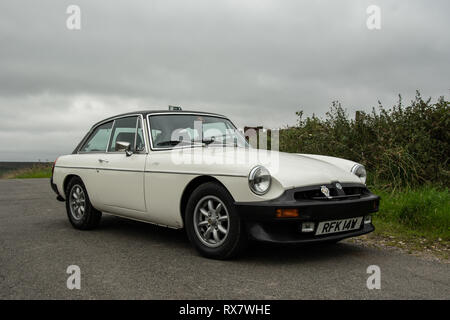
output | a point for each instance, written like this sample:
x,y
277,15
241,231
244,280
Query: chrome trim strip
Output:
x,y
136,133
145,133
198,173
100,168
67,167
110,134
154,171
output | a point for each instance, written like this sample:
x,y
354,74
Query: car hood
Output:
x,y
289,169
295,170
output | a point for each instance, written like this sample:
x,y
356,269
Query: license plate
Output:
x,y
335,226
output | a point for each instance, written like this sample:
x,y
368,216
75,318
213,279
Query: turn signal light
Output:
x,y
287,213
375,205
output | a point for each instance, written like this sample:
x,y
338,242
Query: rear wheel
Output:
x,y
82,215
213,224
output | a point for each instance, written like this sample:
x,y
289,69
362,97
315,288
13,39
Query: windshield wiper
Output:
x,y
208,141
169,143
176,142
192,142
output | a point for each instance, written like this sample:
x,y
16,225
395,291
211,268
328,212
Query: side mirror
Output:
x,y
124,146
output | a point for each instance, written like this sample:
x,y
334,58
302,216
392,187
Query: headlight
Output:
x,y
259,180
360,171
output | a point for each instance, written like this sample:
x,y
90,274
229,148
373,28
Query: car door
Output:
x,y
87,160
121,174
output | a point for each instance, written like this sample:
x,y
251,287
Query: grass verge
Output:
x,y
37,171
423,212
416,220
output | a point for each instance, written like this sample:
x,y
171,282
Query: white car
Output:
x,y
195,170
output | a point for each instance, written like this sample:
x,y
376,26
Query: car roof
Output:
x,y
147,112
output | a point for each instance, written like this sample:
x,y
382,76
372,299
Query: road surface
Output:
x,y
131,260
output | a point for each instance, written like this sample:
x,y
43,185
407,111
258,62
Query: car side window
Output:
x,y
124,130
98,140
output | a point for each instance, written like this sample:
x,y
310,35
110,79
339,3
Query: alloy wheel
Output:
x,y
211,221
77,202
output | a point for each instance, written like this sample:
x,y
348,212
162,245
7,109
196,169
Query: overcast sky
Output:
x,y
256,61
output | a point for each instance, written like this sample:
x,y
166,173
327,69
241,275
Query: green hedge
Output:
x,y
403,146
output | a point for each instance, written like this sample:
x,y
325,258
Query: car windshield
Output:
x,y
173,130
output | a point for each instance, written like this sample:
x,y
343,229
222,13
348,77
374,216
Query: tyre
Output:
x,y
82,215
212,223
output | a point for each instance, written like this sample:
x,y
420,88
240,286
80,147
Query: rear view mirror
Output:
x,y
124,146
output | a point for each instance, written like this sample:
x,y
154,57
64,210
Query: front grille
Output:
x,y
347,192
355,190
313,194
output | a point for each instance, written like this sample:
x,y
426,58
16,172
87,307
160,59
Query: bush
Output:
x,y
400,146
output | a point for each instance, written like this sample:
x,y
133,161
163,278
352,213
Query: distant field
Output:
x,y
25,169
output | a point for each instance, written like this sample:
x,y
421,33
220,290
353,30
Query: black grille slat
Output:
x,y
335,194
338,197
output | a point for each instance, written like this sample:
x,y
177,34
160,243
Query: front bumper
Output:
x,y
263,225
289,233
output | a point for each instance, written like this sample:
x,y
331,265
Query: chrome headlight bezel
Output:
x,y
360,171
256,174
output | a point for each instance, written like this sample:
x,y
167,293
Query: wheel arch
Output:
x,y
191,186
67,180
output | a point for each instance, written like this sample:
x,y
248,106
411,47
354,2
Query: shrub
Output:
x,y
400,146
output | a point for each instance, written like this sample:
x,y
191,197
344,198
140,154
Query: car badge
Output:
x,y
325,191
338,185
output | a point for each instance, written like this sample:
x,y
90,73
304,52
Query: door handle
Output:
x,y
103,161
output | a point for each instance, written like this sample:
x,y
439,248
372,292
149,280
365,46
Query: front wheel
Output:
x,y
213,224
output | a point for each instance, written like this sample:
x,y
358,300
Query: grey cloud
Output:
x,y
257,61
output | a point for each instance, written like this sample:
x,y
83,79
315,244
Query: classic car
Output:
x,y
195,170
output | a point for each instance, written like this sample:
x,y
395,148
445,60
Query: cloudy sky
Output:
x,y
257,61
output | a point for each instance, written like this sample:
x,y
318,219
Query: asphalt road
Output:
x,y
131,260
